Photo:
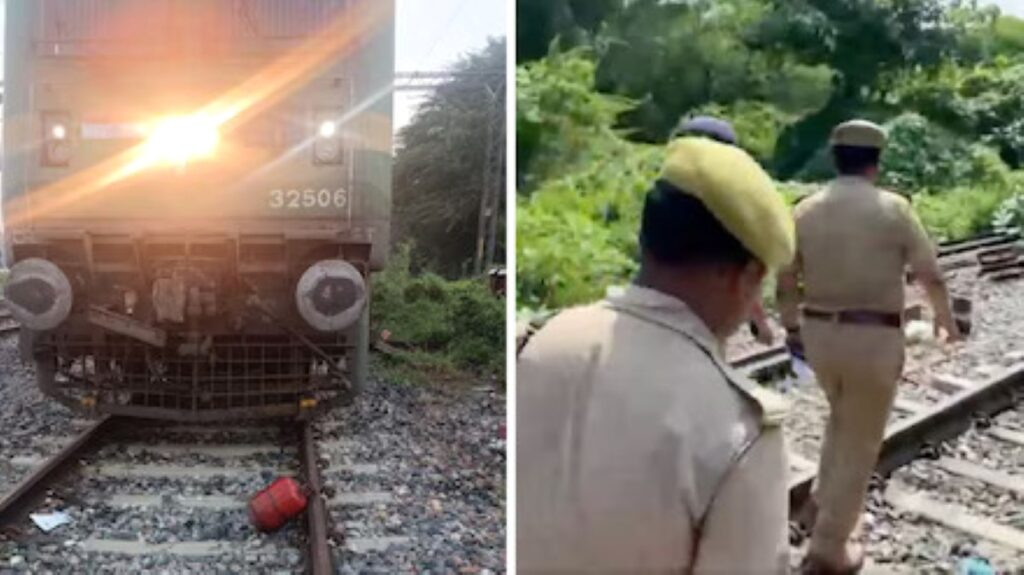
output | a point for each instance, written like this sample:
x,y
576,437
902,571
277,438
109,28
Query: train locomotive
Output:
x,y
194,197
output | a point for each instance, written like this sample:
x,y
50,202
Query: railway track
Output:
x,y
412,478
126,481
955,437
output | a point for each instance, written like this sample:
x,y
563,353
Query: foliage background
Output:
x,y
602,83
441,322
439,168
438,327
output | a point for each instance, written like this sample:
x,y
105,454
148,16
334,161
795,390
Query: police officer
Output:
x,y
638,448
854,242
722,131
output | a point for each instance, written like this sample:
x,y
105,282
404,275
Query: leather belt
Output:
x,y
857,317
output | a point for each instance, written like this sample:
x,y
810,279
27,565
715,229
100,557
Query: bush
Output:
x,y
1009,216
980,103
457,323
577,233
563,259
961,212
921,156
559,115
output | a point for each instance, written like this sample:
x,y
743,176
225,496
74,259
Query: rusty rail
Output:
x,y
765,365
13,503
948,418
319,550
749,359
978,242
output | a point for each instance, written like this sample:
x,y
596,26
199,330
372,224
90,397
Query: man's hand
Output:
x,y
952,330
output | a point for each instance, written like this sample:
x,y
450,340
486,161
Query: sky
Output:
x,y
433,34
1015,7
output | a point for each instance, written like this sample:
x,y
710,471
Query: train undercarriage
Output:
x,y
196,327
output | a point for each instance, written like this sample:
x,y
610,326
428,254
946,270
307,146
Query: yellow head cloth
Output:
x,y
738,192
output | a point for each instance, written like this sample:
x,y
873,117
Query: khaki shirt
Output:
x,y
854,242
639,450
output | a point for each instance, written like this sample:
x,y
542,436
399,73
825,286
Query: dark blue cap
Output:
x,y
707,126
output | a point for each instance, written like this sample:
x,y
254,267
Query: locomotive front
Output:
x,y
194,197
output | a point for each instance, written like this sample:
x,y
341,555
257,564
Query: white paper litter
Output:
x,y
918,332
50,521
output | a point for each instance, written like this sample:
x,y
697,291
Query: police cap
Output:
x,y
708,126
734,188
861,133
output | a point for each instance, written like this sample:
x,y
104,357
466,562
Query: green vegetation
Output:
x,y
442,323
601,85
437,327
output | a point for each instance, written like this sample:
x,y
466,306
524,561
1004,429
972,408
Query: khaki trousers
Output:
x,y
858,368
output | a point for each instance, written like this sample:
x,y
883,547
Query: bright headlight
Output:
x,y
181,139
59,132
328,129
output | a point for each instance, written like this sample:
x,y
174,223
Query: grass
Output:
x,y
438,329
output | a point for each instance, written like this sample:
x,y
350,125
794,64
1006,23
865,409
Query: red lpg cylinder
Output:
x,y
282,501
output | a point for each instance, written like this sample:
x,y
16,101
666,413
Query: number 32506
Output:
x,y
295,199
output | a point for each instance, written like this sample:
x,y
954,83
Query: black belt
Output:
x,y
857,316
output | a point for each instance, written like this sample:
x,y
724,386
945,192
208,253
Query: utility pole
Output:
x,y
494,167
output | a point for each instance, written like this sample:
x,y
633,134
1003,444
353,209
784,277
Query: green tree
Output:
x,y
983,102
571,22
861,41
560,119
674,57
439,166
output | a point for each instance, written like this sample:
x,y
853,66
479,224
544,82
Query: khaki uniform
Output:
x,y
854,242
639,450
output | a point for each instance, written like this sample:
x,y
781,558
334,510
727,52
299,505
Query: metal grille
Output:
x,y
282,19
246,375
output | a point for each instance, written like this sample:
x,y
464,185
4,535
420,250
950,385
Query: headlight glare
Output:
x,y
182,139
328,129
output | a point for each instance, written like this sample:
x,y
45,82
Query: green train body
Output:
x,y
194,196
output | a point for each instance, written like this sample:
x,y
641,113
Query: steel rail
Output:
x,y
319,550
13,503
975,243
905,439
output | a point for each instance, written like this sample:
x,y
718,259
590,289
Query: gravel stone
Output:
x,y
440,455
